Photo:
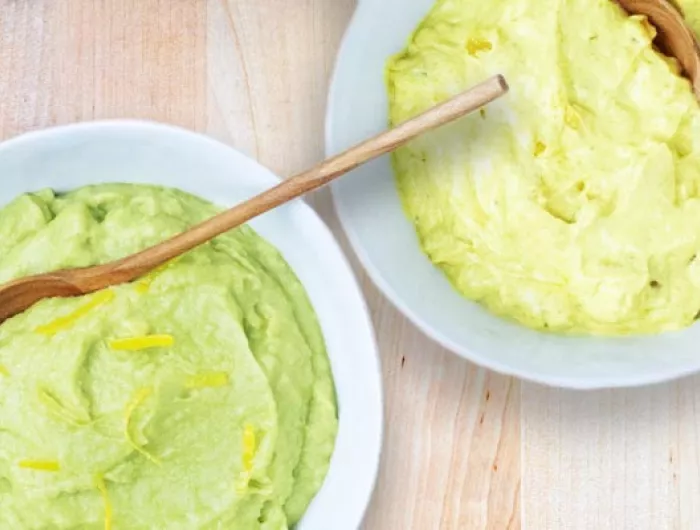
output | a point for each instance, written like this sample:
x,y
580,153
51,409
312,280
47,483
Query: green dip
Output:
x,y
199,397
572,204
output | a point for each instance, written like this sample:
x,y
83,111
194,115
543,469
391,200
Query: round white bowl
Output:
x,y
385,242
65,158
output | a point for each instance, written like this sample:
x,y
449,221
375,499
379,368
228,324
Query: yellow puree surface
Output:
x,y
573,204
199,397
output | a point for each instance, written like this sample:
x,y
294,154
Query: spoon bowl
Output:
x,y
674,37
25,292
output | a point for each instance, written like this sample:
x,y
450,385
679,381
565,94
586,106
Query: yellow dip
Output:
x,y
691,11
572,204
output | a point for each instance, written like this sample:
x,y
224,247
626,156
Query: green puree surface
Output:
x,y
199,397
573,203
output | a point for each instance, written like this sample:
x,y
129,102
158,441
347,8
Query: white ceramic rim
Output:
x,y
668,373
373,425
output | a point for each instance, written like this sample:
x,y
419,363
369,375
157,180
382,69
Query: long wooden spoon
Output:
x,y
674,37
21,294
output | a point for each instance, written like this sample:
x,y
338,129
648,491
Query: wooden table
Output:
x,y
465,448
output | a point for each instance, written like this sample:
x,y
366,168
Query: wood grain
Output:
x,y
612,459
19,295
75,60
254,73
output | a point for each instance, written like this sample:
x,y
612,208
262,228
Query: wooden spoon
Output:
x,y
674,37
21,294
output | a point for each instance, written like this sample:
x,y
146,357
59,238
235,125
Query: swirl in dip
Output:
x,y
198,397
572,204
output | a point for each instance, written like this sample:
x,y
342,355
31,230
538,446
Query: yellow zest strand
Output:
x,y
4,371
249,450
539,148
40,465
67,321
474,46
144,284
55,407
142,343
648,27
102,488
139,397
210,380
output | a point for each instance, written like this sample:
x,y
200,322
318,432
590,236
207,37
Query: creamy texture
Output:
x,y
691,11
571,204
199,397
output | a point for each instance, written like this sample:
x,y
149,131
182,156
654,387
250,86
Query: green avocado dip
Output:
x,y
198,397
572,204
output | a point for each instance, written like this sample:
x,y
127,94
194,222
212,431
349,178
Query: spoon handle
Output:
x,y
296,186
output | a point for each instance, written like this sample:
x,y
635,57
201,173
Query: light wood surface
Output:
x,y
19,295
465,448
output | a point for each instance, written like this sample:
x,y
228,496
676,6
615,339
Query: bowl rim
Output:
x,y
322,234
332,146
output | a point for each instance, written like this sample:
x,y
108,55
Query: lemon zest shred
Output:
x,y
207,380
144,284
648,28
249,449
102,488
539,148
4,371
161,268
40,465
139,397
59,410
67,321
142,343
474,46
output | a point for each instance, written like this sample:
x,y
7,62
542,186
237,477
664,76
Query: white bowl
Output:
x,y
385,242
68,157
